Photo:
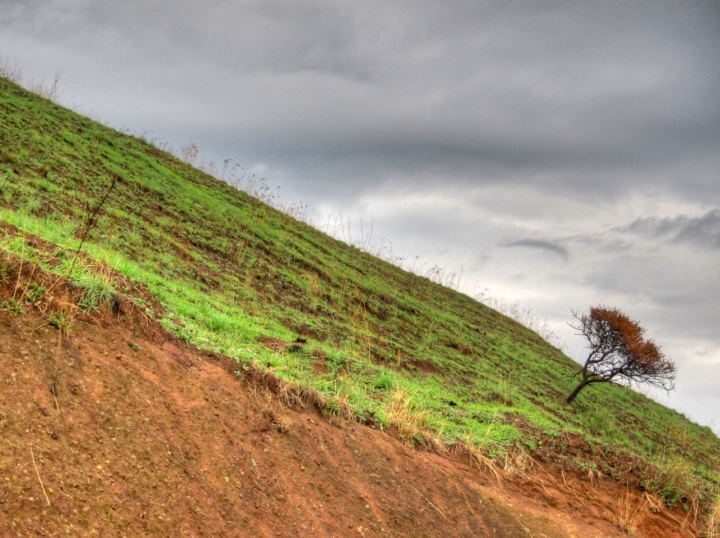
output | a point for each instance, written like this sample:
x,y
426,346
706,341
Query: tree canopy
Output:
x,y
620,353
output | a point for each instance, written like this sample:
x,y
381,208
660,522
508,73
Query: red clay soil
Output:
x,y
119,429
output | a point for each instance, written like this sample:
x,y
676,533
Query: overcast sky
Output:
x,y
564,154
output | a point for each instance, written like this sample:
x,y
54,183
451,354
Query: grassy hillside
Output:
x,y
238,277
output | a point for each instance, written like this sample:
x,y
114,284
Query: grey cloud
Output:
x,y
574,97
703,230
541,245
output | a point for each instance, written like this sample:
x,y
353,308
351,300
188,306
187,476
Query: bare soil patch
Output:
x,y
120,429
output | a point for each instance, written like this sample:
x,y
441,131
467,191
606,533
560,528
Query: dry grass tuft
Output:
x,y
271,409
281,423
10,72
655,502
630,513
435,443
518,462
338,408
314,398
713,525
482,461
291,394
676,482
409,422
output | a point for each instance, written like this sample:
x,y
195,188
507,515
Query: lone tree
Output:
x,y
619,353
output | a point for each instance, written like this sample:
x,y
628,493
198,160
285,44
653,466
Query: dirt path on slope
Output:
x,y
121,430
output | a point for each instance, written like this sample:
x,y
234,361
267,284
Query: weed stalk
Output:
x,y
91,221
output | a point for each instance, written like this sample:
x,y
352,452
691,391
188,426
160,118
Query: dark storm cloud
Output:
x,y
538,244
703,230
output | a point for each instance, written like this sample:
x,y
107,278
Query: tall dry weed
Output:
x,y
630,513
518,462
10,72
713,525
483,461
401,413
49,91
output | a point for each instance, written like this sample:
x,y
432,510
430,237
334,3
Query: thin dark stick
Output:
x,y
91,222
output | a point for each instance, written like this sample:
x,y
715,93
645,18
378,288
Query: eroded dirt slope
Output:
x,y
132,433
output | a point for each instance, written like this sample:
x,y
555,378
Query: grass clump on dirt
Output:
x,y
98,289
235,276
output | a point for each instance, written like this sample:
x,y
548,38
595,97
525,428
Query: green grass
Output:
x,y
231,272
98,289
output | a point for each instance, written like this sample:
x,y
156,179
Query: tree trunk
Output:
x,y
582,385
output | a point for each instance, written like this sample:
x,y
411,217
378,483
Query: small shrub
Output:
x,y
34,292
46,186
32,206
338,406
383,382
674,481
219,322
619,352
61,320
332,407
13,306
337,362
